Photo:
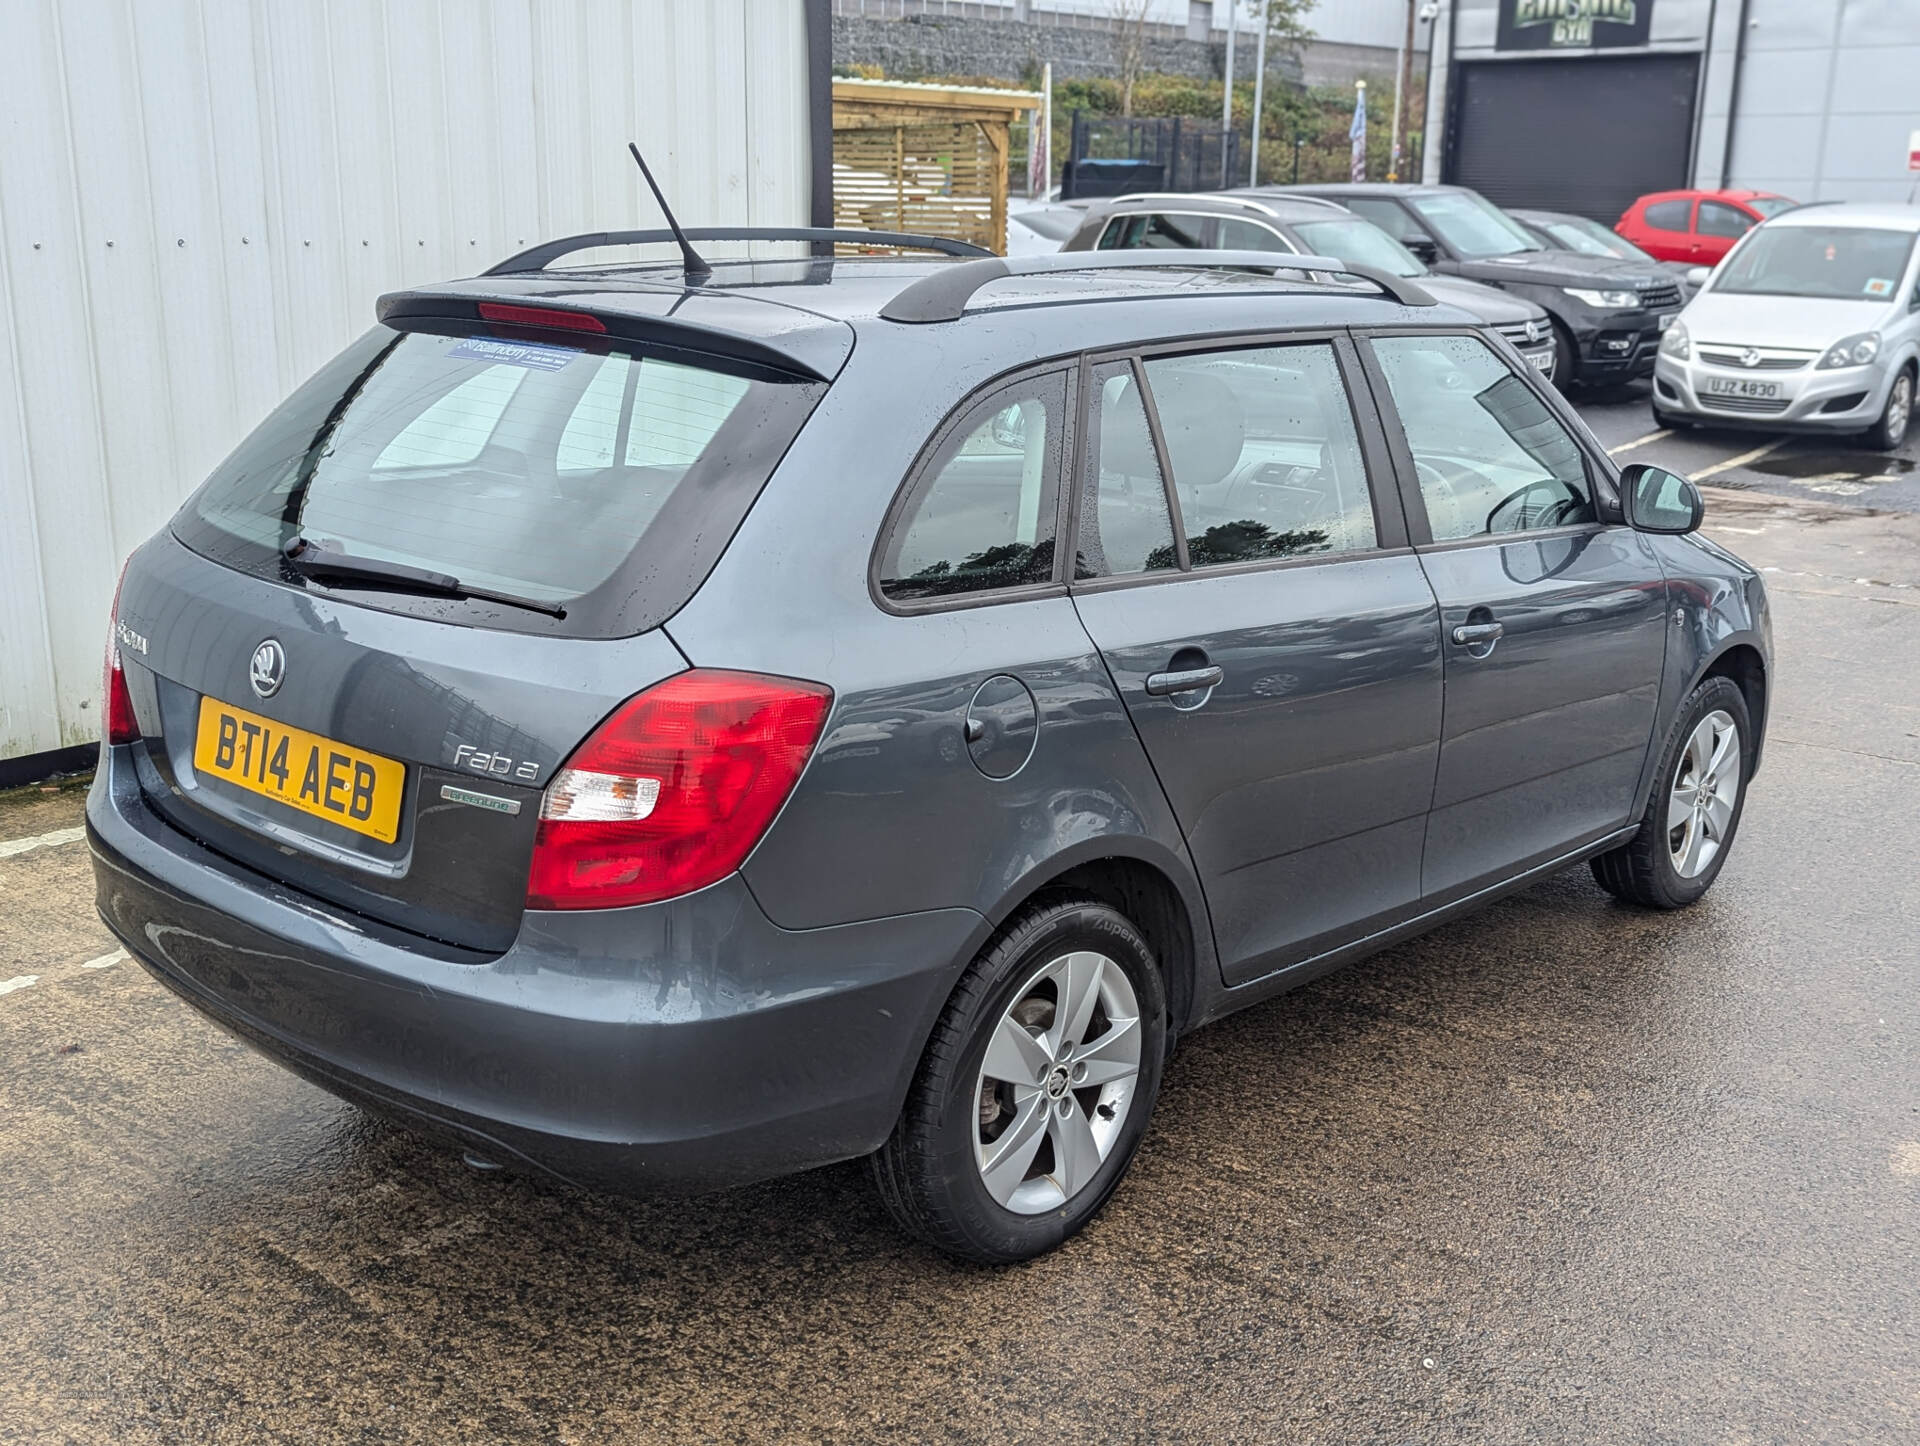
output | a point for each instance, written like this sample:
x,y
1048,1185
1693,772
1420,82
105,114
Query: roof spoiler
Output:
x,y
943,296
538,317
538,258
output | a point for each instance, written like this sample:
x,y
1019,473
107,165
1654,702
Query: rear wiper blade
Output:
x,y
321,563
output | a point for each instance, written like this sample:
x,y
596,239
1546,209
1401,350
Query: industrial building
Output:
x,y
1582,105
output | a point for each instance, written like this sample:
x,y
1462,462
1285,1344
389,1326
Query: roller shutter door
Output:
x,y
1587,136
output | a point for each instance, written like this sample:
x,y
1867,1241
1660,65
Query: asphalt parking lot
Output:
x,y
1820,468
1565,1171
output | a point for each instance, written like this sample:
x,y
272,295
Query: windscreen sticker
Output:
x,y
515,353
1879,286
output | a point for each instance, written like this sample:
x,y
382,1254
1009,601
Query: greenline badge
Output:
x,y
479,800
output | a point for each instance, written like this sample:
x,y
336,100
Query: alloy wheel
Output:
x,y
1706,785
1899,409
1057,1083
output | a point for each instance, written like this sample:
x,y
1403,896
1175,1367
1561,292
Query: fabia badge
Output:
x,y
268,669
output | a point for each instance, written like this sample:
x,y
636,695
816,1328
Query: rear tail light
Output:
x,y
116,703
672,791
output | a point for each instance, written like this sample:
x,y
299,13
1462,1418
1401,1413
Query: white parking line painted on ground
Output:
x,y
19,981
10,847
107,961
1742,460
1639,442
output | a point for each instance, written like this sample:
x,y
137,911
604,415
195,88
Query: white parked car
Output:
x,y
1811,323
1036,228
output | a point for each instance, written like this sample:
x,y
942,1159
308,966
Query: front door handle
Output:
x,y
1185,680
1472,635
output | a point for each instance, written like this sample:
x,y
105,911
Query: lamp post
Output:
x,y
1259,91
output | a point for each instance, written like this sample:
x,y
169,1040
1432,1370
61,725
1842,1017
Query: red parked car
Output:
x,y
1697,226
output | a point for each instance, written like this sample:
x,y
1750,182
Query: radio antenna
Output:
x,y
695,264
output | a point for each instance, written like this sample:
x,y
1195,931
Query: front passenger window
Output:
x,y
1238,235
1717,219
982,514
1490,455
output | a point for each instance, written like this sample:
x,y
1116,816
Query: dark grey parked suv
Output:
x,y
672,731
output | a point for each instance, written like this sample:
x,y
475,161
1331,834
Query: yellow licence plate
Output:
x,y
351,787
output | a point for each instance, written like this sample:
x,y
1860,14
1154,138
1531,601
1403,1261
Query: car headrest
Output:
x,y
1204,425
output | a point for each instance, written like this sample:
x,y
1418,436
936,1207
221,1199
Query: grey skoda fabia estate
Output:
x,y
671,728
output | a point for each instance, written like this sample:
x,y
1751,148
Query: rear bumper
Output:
x,y
680,1046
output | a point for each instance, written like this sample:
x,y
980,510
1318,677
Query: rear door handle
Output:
x,y
1186,680
1469,635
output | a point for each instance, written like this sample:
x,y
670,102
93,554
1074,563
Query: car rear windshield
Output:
x,y
600,480
1360,242
1590,238
1472,225
1770,206
1841,263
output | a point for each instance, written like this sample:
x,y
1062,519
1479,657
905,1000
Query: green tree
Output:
x,y
1287,28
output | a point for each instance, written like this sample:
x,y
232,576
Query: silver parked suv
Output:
x,y
1811,323
1256,220
671,726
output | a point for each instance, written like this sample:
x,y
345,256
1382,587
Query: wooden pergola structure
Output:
x,y
926,158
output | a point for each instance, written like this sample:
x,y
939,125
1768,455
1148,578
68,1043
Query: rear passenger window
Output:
x,y
1266,460
983,512
1490,455
1127,233
1124,523
1669,215
668,412
457,428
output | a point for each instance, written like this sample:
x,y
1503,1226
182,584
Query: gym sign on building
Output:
x,y
1585,105
1573,24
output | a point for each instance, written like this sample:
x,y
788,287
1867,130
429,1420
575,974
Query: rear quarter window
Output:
x,y
602,479
981,513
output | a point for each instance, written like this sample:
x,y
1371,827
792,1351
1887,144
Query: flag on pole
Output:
x,y
1357,132
1040,137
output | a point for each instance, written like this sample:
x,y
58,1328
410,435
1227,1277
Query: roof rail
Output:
x,y
538,258
1222,197
1303,198
943,296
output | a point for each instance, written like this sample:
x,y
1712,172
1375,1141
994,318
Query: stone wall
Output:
x,y
933,45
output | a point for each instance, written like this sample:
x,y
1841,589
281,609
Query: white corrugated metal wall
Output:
x,y
201,199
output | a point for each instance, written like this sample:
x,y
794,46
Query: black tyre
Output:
x,y
1566,356
1035,1088
1694,813
1890,431
1669,421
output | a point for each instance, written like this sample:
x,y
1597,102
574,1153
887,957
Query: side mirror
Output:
x,y
1697,275
1425,247
1657,500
